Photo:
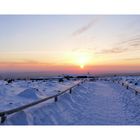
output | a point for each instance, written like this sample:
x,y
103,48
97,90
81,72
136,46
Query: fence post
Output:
x,y
126,87
3,118
55,98
70,90
136,92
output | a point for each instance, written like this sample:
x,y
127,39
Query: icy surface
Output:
x,y
92,103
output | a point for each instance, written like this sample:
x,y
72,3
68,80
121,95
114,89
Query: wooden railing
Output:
x,y
127,86
130,87
123,84
4,114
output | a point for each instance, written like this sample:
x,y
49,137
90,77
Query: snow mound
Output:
x,y
31,93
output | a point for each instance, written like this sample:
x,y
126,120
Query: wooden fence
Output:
x,y
4,114
123,84
127,86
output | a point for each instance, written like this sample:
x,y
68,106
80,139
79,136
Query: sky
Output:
x,y
66,43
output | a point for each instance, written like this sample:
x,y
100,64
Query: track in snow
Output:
x,y
93,103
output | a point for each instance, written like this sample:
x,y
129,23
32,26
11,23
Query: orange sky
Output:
x,y
70,43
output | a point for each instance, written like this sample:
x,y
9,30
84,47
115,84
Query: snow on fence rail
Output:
x,y
4,114
124,83
128,86
132,87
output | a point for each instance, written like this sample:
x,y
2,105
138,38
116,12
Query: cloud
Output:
x,y
132,44
132,59
115,50
133,40
24,62
82,50
120,49
27,61
86,27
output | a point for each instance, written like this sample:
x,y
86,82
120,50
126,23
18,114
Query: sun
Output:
x,y
82,66
82,60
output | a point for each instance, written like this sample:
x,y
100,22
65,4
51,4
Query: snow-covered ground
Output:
x,y
132,82
100,102
21,92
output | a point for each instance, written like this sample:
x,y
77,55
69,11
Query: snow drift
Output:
x,y
31,93
92,103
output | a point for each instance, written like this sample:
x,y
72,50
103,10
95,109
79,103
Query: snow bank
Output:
x,y
31,93
65,111
2,82
90,103
99,102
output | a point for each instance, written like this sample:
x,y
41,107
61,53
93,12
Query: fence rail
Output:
x,y
137,91
4,114
128,86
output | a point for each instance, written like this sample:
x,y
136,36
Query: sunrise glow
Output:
x,y
82,60
70,43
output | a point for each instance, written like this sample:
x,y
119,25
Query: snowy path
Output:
x,y
98,103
